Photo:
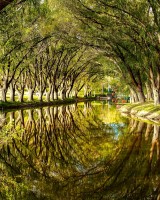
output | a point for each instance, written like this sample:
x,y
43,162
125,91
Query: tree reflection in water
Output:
x,y
77,152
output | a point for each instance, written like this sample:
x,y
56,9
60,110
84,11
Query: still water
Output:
x,y
78,152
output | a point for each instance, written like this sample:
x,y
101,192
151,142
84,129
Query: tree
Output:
x,y
4,3
119,29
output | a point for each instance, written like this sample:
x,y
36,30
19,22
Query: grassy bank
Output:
x,y
145,110
34,104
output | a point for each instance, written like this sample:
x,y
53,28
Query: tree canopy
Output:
x,y
71,43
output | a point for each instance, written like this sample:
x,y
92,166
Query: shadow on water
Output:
x,y
85,151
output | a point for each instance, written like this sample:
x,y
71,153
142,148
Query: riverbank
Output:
x,y
145,110
34,104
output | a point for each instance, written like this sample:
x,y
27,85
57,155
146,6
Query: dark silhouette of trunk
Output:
x,y
12,92
56,94
4,91
4,3
149,92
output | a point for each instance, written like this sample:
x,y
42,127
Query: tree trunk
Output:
x,y
68,94
155,141
56,94
148,131
40,95
85,91
20,95
140,94
149,92
12,92
30,115
4,93
20,91
155,86
30,94
48,94
76,93
20,119
141,97
63,94
132,99
4,3
156,95
52,94
48,114
134,95
89,94
12,118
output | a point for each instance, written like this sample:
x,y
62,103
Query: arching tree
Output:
x,y
118,28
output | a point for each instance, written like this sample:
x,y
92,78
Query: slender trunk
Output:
x,y
4,94
155,142
90,94
134,95
63,94
148,131
52,94
156,95
140,127
76,93
12,92
132,100
149,92
56,94
21,114
48,114
48,94
85,91
20,95
140,94
4,91
40,95
30,94
3,118
134,126
52,114
68,93
12,118
20,90
60,94
155,86
30,115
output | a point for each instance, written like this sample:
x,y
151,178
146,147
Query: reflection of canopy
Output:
x,y
111,115
65,152
116,128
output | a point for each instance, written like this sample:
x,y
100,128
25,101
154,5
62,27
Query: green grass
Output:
x,y
145,110
141,106
36,103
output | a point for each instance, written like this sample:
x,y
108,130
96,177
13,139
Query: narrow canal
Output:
x,y
84,151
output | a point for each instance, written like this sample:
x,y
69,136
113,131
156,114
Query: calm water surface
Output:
x,y
78,152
